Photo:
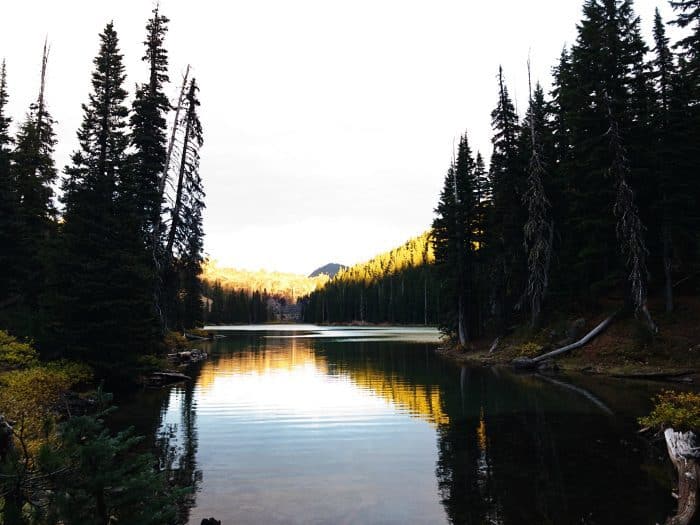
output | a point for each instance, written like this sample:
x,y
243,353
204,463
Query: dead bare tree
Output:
x,y
538,230
630,230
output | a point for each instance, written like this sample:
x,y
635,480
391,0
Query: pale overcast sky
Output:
x,y
328,125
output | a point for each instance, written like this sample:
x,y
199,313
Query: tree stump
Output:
x,y
685,455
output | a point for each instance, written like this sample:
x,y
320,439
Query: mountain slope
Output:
x,y
330,269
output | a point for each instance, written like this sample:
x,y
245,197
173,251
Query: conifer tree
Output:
x,y
35,174
10,235
147,170
454,243
104,294
148,130
508,216
538,231
666,208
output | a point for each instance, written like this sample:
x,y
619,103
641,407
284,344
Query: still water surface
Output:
x,y
301,424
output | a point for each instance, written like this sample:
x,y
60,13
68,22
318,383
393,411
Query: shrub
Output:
x,y
530,350
15,354
680,410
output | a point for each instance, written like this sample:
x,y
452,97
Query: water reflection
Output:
x,y
280,429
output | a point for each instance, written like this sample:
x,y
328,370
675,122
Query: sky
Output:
x,y
329,125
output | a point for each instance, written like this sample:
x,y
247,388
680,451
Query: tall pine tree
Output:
x,y
508,214
103,287
10,234
35,174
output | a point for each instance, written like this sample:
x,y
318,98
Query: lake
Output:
x,y
300,424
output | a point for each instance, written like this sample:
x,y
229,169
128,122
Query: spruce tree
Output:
x,y
104,294
685,131
147,170
148,130
508,214
35,174
10,234
454,243
667,206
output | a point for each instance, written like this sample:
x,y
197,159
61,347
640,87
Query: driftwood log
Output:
x,y
685,455
527,363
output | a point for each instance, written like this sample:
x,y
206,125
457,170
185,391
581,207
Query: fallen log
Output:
x,y
527,363
684,452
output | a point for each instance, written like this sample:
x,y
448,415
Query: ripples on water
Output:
x,y
357,425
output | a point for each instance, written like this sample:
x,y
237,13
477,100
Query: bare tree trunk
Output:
x,y
180,180
425,301
461,328
668,284
683,451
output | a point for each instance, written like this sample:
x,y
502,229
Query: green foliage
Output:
x,y
175,341
679,410
15,354
30,397
529,349
398,286
100,478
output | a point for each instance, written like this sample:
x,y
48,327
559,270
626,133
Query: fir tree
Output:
x,y
148,130
10,234
104,297
454,243
507,217
664,70
35,175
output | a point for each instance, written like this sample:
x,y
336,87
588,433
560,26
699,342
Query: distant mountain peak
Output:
x,y
330,269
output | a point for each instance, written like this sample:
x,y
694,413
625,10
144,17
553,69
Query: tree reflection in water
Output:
x,y
511,449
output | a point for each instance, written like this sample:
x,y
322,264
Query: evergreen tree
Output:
x,y
147,170
684,129
666,208
100,478
508,214
688,16
10,234
148,130
454,243
104,297
35,174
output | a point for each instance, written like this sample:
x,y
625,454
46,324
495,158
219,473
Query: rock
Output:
x,y
575,329
524,363
210,521
6,442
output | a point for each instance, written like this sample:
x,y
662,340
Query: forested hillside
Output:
x,y
398,286
287,285
590,199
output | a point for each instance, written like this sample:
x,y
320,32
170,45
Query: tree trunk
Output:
x,y
684,454
668,284
530,363
461,328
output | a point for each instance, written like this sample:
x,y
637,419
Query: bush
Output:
x,y
529,350
15,354
175,341
680,410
